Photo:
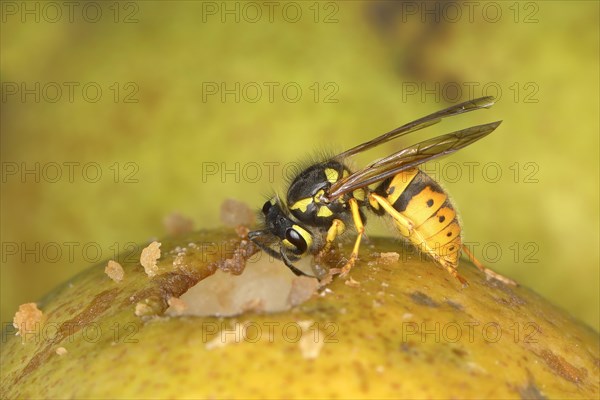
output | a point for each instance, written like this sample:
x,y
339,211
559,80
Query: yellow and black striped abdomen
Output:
x,y
422,201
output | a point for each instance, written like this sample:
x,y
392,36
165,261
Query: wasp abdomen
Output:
x,y
435,229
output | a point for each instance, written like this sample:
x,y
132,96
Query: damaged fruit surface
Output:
x,y
207,324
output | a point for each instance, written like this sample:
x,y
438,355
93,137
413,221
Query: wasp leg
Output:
x,y
488,272
337,228
407,224
360,228
291,266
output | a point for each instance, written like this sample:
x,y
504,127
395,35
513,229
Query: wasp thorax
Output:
x,y
306,194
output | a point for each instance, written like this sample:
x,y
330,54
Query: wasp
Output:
x,y
327,198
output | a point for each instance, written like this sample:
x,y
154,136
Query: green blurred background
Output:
x,y
180,105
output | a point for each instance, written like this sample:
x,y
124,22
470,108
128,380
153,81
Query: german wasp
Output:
x,y
327,198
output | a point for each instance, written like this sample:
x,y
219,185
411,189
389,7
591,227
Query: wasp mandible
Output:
x,y
327,197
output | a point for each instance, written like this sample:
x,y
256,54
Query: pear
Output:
x,y
208,316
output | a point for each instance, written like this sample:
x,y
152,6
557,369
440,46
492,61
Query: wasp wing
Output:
x,y
410,157
431,119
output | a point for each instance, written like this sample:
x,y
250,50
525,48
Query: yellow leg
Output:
x,y
387,206
488,272
337,228
360,228
413,234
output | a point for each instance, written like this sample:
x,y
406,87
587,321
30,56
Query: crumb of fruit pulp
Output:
x,y
237,262
114,270
352,283
312,340
235,213
176,224
388,258
303,287
148,258
305,324
326,280
61,351
143,309
242,231
27,319
177,304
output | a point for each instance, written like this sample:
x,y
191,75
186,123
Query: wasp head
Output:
x,y
282,238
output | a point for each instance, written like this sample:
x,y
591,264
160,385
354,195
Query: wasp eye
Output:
x,y
266,207
296,239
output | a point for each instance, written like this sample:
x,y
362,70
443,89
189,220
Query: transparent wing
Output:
x,y
431,119
410,157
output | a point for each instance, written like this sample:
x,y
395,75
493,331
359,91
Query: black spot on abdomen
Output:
x,y
416,186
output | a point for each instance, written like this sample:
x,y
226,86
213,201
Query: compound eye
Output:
x,y
266,207
296,239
